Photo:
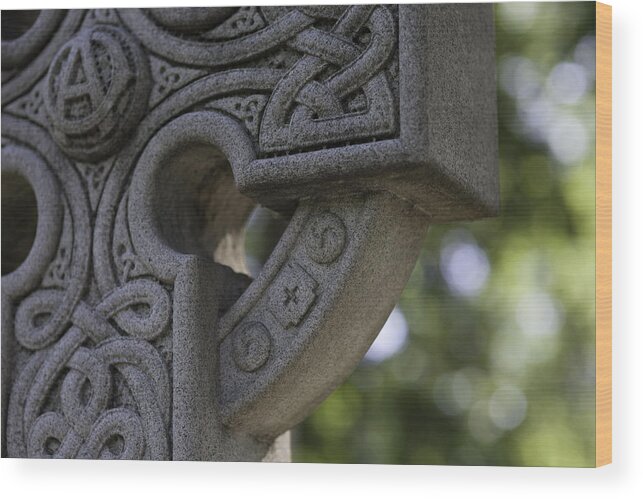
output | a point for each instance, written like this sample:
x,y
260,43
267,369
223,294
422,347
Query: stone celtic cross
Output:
x,y
147,136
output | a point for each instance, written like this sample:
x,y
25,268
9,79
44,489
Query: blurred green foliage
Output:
x,y
495,364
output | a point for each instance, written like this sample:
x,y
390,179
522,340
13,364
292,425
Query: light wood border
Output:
x,y
603,234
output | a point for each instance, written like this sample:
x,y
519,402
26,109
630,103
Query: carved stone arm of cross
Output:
x,y
148,136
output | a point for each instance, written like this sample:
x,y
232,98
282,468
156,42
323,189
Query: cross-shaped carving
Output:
x,y
293,293
360,123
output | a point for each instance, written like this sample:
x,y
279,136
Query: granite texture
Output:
x,y
131,330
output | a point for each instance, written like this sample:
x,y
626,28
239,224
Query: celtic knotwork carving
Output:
x,y
304,111
336,65
94,174
76,378
127,263
31,106
133,126
169,77
96,91
244,21
93,347
247,109
58,273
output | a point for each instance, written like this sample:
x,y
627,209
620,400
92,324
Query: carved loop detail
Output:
x,y
85,425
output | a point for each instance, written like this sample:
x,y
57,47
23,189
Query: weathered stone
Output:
x,y
130,329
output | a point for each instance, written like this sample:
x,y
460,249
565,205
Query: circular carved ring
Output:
x,y
251,346
96,92
325,238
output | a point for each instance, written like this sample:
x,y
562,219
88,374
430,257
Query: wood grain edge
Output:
x,y
603,234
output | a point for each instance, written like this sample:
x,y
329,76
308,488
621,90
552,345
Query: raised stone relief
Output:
x,y
129,329
96,90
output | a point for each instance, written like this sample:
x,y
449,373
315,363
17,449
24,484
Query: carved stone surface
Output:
x,y
96,91
130,330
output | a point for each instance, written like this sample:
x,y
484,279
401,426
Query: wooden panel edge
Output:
x,y
603,234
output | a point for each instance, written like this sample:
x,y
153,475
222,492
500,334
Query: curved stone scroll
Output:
x,y
130,330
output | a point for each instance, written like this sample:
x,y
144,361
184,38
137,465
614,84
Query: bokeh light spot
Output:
x,y
585,54
465,267
480,425
519,78
391,338
567,139
538,315
507,407
518,16
567,83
